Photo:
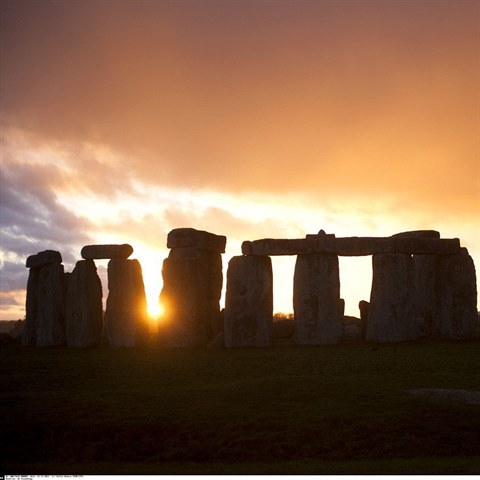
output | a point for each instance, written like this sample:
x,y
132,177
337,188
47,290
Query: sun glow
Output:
x,y
155,310
151,262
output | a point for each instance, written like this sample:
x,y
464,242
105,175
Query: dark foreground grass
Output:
x,y
342,409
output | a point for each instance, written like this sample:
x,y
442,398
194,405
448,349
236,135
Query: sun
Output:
x,y
155,310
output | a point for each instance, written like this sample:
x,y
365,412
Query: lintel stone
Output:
x,y
46,257
352,246
200,239
92,252
418,234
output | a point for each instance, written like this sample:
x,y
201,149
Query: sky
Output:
x,y
124,119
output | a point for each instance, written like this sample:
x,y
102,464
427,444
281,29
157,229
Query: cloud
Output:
x,y
12,277
357,117
30,214
326,98
32,220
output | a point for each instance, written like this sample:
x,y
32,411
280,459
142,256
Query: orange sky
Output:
x,y
124,119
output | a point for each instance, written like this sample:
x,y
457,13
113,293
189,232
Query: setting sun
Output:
x,y
155,310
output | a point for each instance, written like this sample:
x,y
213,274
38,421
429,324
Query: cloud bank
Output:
x,y
327,98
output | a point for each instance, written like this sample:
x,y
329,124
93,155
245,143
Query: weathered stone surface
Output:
x,y
126,312
46,257
455,315
418,234
83,308
45,307
91,252
425,274
341,307
391,316
189,237
31,308
192,286
249,302
352,246
271,246
283,329
316,300
425,245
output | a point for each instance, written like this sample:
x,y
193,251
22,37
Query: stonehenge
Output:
x,y
92,252
316,300
126,313
391,315
45,302
352,246
249,302
455,314
423,286
192,286
83,306
66,308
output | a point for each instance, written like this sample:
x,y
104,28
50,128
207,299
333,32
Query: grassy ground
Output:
x,y
341,409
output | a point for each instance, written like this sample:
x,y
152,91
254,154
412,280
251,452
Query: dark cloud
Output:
x,y
12,277
30,213
32,220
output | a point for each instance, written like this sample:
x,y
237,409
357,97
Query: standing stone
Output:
x,y
455,315
249,302
391,316
363,306
50,320
316,300
83,310
425,274
192,286
45,302
126,313
46,257
31,308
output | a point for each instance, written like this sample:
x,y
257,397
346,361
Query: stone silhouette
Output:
x,y
425,275
353,246
83,310
364,307
45,303
192,285
91,252
249,302
316,300
422,286
126,313
391,315
455,312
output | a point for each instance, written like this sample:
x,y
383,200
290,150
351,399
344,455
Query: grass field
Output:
x,y
342,409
